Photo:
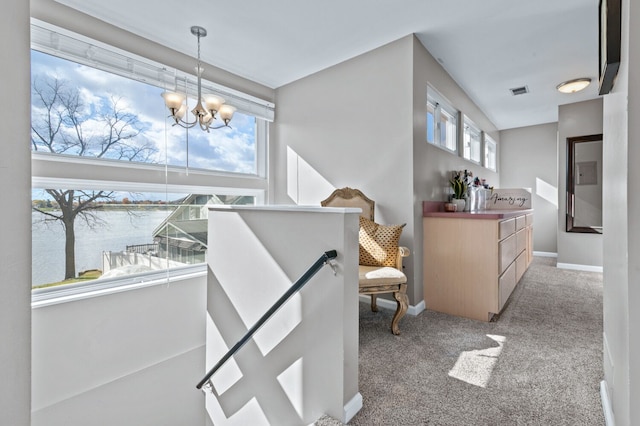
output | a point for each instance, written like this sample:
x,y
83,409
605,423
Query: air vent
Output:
x,y
519,90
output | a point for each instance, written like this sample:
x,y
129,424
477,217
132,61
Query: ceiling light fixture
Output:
x,y
204,115
573,86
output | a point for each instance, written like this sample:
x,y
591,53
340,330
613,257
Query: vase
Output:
x,y
459,202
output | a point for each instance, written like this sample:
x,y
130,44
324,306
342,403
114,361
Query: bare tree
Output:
x,y
61,123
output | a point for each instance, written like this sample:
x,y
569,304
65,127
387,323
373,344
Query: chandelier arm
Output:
x,y
184,124
221,126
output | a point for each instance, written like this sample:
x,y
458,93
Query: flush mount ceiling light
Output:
x,y
203,115
573,86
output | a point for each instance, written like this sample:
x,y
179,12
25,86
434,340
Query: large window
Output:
x,y
442,122
140,187
471,141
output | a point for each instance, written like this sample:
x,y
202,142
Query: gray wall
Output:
x,y
350,125
621,228
15,222
529,159
432,166
577,119
362,123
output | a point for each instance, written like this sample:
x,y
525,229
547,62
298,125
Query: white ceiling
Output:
x,y
487,46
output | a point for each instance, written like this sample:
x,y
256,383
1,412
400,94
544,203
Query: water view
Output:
x,y
118,230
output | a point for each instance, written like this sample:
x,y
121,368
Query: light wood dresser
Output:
x,y
473,261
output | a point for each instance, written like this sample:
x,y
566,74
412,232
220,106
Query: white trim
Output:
x,y
576,267
351,408
121,186
609,418
134,165
73,292
415,310
392,305
287,208
545,254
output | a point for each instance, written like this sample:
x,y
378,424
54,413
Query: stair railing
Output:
x,y
325,259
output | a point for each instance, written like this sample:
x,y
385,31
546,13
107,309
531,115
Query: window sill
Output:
x,y
74,292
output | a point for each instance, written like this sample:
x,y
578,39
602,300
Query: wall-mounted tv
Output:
x,y
610,38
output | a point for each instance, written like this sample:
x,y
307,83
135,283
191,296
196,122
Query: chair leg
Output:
x,y
374,304
403,304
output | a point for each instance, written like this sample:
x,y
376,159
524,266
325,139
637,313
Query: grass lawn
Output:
x,y
85,276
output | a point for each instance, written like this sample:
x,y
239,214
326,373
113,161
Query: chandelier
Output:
x,y
204,115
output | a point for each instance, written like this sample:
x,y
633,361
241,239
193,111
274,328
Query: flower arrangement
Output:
x,y
460,183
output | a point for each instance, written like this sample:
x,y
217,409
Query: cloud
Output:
x,y
232,150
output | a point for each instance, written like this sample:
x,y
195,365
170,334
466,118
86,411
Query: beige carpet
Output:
x,y
540,363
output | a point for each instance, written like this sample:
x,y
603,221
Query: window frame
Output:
x,y
51,170
470,129
438,106
486,141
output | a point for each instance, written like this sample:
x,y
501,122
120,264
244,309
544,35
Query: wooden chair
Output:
x,y
374,280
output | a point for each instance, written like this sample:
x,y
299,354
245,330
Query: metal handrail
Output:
x,y
323,260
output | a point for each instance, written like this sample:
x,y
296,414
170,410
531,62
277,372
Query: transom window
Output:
x,y
471,141
442,122
490,153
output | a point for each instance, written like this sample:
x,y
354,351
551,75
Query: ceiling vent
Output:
x,y
519,90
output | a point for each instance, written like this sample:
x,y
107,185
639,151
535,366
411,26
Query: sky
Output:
x,y
228,149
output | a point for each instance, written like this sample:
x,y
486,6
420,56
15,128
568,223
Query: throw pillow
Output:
x,y
378,243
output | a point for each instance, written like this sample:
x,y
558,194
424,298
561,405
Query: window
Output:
x,y
490,153
100,125
118,233
471,141
442,122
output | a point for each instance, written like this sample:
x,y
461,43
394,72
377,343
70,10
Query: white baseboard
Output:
x,y
576,267
351,408
545,254
606,405
391,304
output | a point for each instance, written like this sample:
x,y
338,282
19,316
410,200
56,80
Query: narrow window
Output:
x,y
490,153
471,141
442,122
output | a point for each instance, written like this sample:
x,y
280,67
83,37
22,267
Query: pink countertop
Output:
x,y
436,209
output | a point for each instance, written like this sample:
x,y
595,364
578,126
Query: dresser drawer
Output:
x,y
521,241
507,252
530,219
506,284
521,265
521,222
506,228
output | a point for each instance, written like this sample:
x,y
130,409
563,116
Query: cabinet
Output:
x,y
472,263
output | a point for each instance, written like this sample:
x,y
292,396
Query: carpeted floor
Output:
x,y
540,363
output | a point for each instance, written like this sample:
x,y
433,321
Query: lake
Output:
x,y
119,230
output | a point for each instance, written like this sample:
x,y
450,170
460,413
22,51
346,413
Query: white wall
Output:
x,y
621,228
577,119
127,358
15,222
303,362
529,159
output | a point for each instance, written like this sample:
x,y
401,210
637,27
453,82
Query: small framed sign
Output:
x,y
509,199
